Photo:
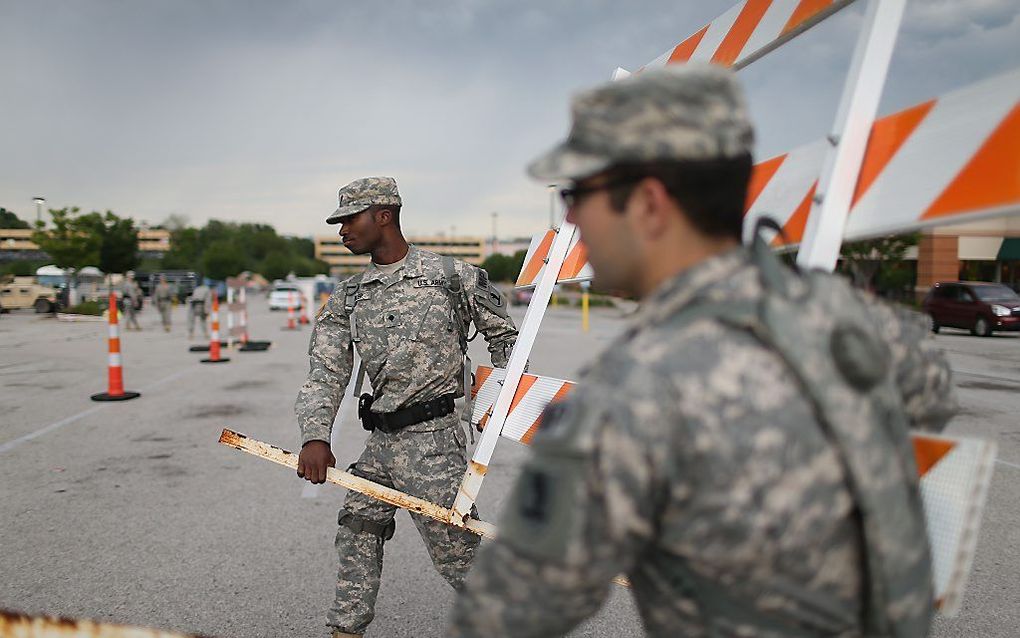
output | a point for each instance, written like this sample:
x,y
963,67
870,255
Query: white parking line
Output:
x,y
10,445
1008,463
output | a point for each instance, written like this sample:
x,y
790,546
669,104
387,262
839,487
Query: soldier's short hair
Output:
x,y
711,193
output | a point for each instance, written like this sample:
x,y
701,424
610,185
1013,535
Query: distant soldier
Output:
x,y
198,309
131,296
408,315
741,452
164,297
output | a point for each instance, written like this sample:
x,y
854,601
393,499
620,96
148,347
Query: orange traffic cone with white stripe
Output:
x,y
115,375
214,338
291,325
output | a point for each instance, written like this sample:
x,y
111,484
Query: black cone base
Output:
x,y
205,348
106,396
256,346
220,360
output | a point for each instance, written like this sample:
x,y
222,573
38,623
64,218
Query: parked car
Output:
x,y
980,307
284,296
25,293
521,296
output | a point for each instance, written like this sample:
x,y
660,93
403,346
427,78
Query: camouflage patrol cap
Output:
x,y
362,193
682,112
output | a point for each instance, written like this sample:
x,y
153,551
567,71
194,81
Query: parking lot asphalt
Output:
x,y
132,513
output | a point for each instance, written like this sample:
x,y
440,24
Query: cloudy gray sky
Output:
x,y
260,110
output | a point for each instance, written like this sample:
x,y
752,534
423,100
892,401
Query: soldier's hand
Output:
x,y
313,460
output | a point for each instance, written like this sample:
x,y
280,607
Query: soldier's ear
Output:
x,y
383,216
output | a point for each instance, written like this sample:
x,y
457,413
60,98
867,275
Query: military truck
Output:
x,y
23,292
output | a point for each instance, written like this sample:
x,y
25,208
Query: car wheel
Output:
x,y
982,328
934,325
42,305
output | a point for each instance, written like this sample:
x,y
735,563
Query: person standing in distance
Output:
x,y
741,452
131,293
164,296
408,315
198,308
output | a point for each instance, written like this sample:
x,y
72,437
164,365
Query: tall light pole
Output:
x,y
39,201
552,205
495,240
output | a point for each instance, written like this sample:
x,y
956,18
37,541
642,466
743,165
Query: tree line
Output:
x,y
217,250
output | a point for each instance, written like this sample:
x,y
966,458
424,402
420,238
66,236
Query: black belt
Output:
x,y
390,422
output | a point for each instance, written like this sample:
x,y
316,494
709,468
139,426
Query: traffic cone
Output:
x,y
115,373
214,338
303,316
248,345
291,325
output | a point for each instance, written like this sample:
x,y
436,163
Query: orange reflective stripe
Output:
x,y
804,11
738,35
115,345
562,392
760,177
574,262
481,375
684,50
990,178
537,260
887,136
794,228
928,452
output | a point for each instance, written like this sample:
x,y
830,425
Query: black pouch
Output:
x,y
365,411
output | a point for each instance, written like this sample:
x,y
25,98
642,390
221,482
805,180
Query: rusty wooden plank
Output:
x,y
358,484
364,486
16,625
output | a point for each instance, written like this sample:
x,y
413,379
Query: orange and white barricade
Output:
x,y
115,371
214,338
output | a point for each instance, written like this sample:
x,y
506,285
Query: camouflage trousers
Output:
x,y
427,464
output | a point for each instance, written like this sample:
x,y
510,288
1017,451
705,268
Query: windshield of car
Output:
x,y
995,293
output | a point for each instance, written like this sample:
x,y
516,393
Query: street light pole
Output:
x,y
495,241
39,201
552,205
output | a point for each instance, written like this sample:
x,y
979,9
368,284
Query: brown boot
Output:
x,y
340,634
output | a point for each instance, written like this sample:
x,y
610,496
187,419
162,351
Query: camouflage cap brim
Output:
x,y
565,163
345,211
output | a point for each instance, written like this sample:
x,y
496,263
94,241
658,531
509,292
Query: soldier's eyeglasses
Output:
x,y
572,196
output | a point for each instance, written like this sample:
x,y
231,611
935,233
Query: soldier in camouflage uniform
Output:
x,y
408,316
741,451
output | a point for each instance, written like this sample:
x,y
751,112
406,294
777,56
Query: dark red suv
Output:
x,y
978,306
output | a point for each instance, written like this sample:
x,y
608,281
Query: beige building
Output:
x,y
16,244
329,249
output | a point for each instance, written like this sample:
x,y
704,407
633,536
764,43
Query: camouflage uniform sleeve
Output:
x,y
580,513
331,359
922,372
489,312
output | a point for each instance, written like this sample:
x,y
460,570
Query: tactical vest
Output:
x,y
460,316
823,334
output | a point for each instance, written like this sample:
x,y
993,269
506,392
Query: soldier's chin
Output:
x,y
358,250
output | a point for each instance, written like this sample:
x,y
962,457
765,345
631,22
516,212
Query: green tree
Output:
x,y
876,259
118,251
74,240
222,259
276,265
9,220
